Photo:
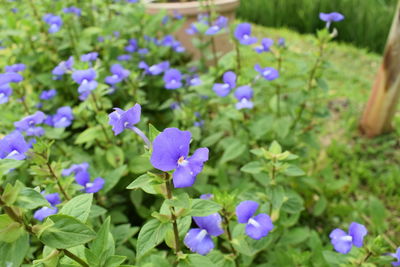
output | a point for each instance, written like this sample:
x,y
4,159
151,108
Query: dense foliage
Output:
x,y
368,21
118,150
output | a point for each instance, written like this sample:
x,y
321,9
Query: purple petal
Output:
x,y
222,89
75,168
95,186
357,231
341,242
168,147
259,226
44,212
244,103
212,223
53,199
196,161
82,178
197,240
230,78
245,210
183,176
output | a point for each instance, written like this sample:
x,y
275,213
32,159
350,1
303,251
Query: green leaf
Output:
x,y
153,132
295,236
13,254
8,164
293,170
114,261
197,260
275,148
204,207
253,167
115,156
320,206
112,178
143,182
11,193
151,234
212,139
140,164
234,150
78,207
88,135
66,232
293,203
30,199
103,245
10,230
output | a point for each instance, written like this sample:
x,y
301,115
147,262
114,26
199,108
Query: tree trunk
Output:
x,y
381,106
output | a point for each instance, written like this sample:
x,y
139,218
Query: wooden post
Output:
x,y
381,106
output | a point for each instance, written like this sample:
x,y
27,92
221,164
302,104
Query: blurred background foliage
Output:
x,y
367,21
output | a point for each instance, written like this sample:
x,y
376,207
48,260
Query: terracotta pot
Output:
x,y
190,10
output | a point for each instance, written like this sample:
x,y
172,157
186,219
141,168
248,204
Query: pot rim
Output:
x,y
191,8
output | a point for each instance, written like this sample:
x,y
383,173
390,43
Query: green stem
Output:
x,y
309,85
168,186
72,256
238,59
229,234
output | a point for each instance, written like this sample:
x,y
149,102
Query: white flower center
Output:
x,y
182,161
84,81
88,185
2,95
12,153
225,86
200,236
346,238
266,72
246,36
115,76
253,222
126,124
31,123
63,119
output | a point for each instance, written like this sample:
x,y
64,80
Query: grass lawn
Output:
x,y
360,177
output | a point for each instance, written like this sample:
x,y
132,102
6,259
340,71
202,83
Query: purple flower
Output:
x,y
124,57
15,68
268,73
55,22
86,81
207,196
243,34
73,10
170,152
192,30
155,69
119,74
397,257
170,41
330,17
132,1
53,199
62,119
266,43
343,242
49,94
219,24
28,124
143,51
256,226
199,239
75,168
5,92
244,94
132,46
281,42
44,212
83,178
172,79
63,67
13,146
223,89
100,39
92,56
10,77
121,120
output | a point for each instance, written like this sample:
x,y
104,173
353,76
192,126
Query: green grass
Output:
x,y
366,23
357,175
